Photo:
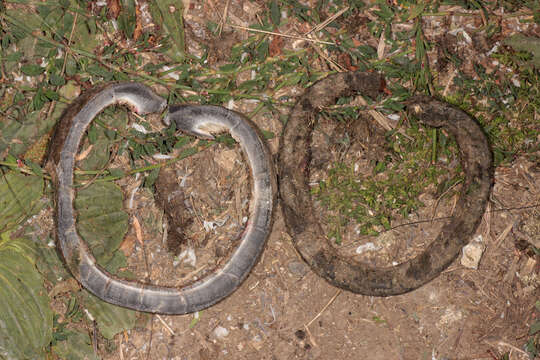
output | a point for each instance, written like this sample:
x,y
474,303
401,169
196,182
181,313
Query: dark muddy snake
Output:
x,y
201,121
306,231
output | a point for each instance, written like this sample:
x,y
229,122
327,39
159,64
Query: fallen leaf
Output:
x,y
114,8
138,23
275,46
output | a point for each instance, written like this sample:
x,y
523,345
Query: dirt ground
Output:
x,y
284,311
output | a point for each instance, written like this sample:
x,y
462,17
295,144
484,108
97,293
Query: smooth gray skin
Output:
x,y
199,120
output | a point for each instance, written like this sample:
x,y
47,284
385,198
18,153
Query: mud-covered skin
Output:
x,y
192,119
307,233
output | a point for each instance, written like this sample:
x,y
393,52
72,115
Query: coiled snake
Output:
x,y
198,120
307,234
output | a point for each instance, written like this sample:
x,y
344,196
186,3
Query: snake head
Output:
x,y
201,121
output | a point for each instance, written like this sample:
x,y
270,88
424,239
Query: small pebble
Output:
x,y
297,268
472,253
220,332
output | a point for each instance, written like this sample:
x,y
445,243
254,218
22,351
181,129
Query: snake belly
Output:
x,y
198,120
304,227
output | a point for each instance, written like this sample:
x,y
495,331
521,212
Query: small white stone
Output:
x,y
472,253
367,247
220,332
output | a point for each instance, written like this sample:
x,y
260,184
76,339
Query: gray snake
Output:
x,y
202,121
306,231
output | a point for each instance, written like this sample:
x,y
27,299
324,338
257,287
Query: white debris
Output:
x,y
172,75
494,48
208,225
211,225
472,253
90,317
393,117
139,128
132,196
220,332
230,104
51,244
162,157
188,256
367,247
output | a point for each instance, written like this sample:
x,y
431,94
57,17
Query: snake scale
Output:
x,y
306,231
201,121
297,208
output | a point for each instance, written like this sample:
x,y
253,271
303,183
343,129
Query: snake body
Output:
x,y
304,227
198,120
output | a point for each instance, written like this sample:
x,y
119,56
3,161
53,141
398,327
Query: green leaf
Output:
x,y
151,178
57,80
268,134
48,262
275,13
535,327
77,346
101,220
416,10
526,43
32,69
19,195
111,319
26,318
27,130
102,139
172,22
127,18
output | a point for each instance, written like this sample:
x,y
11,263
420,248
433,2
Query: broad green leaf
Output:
x,y
19,195
535,327
111,319
26,318
100,137
101,220
48,262
77,346
26,131
526,43
275,13
32,69
168,13
416,10
127,19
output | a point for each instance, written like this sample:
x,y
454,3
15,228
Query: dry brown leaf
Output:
x,y
138,230
127,245
275,46
138,23
114,8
